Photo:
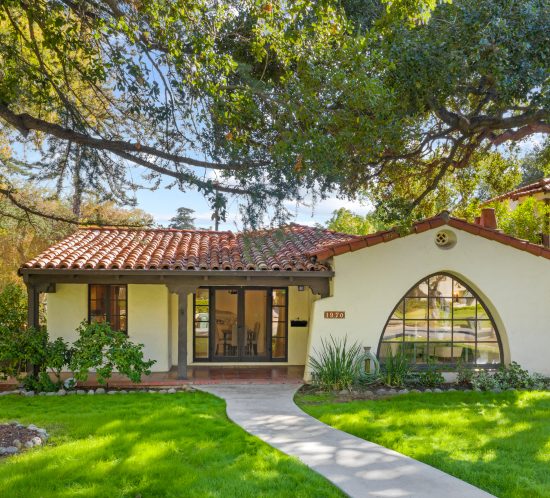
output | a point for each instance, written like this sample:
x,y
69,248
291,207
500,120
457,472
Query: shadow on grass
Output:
x,y
498,442
149,445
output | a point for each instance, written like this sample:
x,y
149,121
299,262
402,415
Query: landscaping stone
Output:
x,y
163,391
122,391
171,391
28,393
29,444
51,393
404,391
437,390
69,383
61,392
17,443
427,390
80,391
416,391
70,393
36,441
496,390
511,389
91,392
8,450
42,394
100,390
381,391
451,389
112,392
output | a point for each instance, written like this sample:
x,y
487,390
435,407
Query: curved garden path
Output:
x,y
358,467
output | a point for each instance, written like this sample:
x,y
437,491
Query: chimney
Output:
x,y
488,218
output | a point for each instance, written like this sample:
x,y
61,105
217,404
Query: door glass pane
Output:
x,y
278,324
202,323
225,322
255,323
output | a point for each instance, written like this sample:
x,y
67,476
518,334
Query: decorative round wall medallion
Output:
x,y
445,239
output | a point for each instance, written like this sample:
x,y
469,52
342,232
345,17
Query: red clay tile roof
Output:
x,y
542,185
326,252
284,248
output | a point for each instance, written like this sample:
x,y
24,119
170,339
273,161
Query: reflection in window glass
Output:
x,y
202,323
442,319
278,324
108,304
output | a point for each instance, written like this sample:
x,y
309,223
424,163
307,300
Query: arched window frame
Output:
x,y
450,365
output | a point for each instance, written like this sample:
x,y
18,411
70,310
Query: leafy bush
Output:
x,y
513,376
484,380
336,366
13,307
396,368
20,347
507,377
105,350
465,374
431,377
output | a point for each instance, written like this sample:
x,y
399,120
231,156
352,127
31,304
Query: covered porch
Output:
x,y
206,343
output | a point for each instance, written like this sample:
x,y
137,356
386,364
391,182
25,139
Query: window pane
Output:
x,y
420,290
441,286
460,291
443,352
486,331
416,352
279,297
464,308
255,322
398,312
440,307
481,312
416,330
278,347
279,314
416,308
201,347
464,330
464,352
441,330
487,353
393,331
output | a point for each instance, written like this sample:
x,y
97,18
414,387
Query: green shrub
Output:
x,y
431,377
20,347
513,376
465,374
13,307
507,377
396,368
484,380
105,350
336,366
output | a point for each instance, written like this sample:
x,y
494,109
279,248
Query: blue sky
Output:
x,y
163,203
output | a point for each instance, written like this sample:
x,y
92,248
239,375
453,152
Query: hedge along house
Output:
x,y
449,292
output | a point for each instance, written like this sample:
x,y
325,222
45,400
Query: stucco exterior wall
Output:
x,y
148,322
514,285
66,309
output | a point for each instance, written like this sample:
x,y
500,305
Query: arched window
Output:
x,y
441,318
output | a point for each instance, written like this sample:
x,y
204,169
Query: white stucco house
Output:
x,y
449,290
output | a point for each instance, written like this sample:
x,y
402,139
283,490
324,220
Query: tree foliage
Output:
x,y
183,220
269,100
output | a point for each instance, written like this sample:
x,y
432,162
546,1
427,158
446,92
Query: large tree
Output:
x,y
270,100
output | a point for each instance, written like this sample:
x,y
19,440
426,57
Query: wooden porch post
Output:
x,y
182,334
33,296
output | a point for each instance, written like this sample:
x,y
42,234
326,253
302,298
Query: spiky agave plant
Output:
x,y
336,365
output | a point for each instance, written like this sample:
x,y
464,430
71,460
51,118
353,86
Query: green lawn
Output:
x,y
498,442
148,445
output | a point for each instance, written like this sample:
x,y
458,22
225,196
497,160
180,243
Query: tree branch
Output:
x,y
25,122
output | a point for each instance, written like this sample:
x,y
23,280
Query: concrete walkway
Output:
x,y
358,467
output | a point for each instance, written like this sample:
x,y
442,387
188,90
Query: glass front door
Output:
x,y
239,330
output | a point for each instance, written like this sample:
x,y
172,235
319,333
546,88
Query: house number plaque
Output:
x,y
335,314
